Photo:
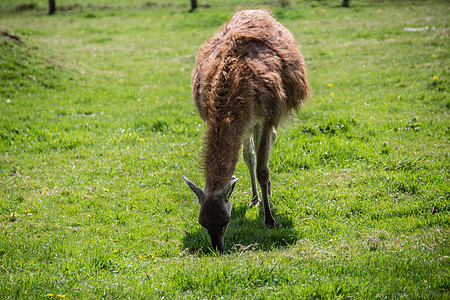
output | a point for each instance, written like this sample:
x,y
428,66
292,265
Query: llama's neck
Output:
x,y
223,142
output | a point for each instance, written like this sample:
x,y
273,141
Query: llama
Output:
x,y
248,76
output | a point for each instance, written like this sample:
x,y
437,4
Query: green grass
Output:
x,y
97,126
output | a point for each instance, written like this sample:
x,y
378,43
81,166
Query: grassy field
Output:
x,y
97,126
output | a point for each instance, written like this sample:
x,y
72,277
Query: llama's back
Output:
x,y
251,66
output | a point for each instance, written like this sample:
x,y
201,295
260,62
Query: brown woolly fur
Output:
x,y
250,70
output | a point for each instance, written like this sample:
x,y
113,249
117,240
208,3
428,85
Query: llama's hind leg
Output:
x,y
249,157
262,171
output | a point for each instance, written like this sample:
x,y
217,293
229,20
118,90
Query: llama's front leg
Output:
x,y
272,140
249,157
262,172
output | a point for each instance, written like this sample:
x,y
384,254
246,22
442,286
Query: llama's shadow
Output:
x,y
244,233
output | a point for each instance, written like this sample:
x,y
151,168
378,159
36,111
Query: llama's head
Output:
x,y
215,211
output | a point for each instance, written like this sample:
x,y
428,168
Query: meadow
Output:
x,y
97,126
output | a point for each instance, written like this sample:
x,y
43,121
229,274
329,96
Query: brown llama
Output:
x,y
247,77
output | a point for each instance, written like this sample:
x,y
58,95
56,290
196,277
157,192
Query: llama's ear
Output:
x,y
197,191
228,190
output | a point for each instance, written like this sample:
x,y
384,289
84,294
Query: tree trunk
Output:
x,y
193,5
345,3
51,7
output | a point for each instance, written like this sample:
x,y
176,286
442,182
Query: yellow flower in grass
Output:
x,y
50,295
61,296
142,139
435,77
330,85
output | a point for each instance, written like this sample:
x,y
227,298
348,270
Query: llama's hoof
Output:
x,y
255,202
270,223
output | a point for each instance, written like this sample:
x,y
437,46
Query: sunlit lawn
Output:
x,y
97,126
